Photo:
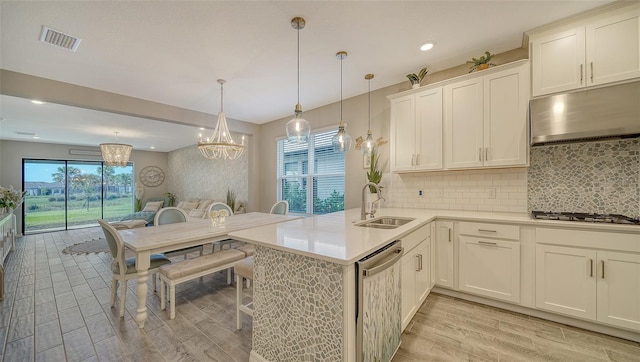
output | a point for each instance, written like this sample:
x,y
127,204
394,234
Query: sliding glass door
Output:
x,y
73,194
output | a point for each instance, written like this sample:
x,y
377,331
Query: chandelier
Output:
x,y
298,128
115,154
221,145
341,141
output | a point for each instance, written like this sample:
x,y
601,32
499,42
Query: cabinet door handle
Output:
x,y
479,153
602,263
486,154
591,65
417,159
417,262
487,231
590,267
420,261
486,242
449,234
581,73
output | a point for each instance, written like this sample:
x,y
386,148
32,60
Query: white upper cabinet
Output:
x,y
486,120
597,51
416,131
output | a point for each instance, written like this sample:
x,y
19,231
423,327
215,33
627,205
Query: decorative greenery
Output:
x,y
171,197
416,79
11,198
477,62
374,174
231,199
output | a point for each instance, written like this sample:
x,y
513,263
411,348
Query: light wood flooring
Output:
x,y
56,308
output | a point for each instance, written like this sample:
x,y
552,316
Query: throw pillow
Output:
x,y
187,205
153,206
198,213
204,204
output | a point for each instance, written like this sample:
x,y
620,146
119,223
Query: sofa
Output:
x,y
196,207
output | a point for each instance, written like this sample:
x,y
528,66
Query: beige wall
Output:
x,y
12,153
355,113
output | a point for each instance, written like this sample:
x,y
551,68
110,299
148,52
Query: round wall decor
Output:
x,y
152,176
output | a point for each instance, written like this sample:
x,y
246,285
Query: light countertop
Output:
x,y
335,238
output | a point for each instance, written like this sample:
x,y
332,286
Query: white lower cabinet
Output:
x,y
416,279
444,254
591,284
490,267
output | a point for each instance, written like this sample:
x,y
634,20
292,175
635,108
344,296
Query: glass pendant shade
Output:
x,y
341,141
298,129
221,145
115,154
369,145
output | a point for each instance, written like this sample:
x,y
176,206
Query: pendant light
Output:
x,y
221,145
115,154
369,146
341,141
298,129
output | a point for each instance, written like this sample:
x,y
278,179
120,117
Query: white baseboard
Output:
x,y
612,331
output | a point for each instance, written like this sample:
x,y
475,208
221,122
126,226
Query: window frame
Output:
x,y
311,170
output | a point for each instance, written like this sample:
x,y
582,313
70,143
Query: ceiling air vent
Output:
x,y
59,39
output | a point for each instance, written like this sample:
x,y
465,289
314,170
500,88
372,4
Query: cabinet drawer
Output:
x,y
490,267
414,238
490,230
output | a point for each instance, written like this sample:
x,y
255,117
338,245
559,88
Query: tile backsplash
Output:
x,y
503,190
596,177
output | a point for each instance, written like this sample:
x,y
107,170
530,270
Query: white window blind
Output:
x,y
311,175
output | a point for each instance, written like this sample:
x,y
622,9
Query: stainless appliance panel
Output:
x,y
379,314
593,113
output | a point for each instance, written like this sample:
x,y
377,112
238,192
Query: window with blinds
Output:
x,y
311,175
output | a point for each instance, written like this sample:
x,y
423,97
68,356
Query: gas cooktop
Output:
x,y
585,217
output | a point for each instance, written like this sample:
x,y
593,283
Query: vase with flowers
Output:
x,y
10,198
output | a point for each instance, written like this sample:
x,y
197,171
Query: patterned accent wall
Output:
x,y
302,300
500,190
193,176
595,177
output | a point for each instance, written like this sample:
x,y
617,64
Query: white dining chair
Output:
x,y
217,206
281,207
220,206
172,215
125,269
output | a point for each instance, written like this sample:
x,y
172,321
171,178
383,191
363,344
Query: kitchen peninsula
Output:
x,y
304,276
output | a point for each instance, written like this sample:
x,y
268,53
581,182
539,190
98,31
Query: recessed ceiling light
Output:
x,y
202,128
153,147
35,101
427,46
35,137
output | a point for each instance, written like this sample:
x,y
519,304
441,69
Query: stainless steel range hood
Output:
x,y
592,114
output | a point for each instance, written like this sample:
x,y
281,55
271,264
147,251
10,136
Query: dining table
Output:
x,y
196,231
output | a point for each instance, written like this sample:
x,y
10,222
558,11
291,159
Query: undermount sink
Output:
x,y
386,222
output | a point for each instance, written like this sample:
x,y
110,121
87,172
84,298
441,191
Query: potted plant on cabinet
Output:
x,y
482,62
415,79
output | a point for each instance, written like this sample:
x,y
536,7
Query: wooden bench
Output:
x,y
182,271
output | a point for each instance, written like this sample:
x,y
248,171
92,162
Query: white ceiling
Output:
x,y
172,52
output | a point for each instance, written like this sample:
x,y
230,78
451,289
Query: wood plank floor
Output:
x,y
56,308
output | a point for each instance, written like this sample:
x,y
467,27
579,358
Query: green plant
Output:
x,y
374,174
416,79
171,197
231,199
477,62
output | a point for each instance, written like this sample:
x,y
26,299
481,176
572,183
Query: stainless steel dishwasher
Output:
x,y
378,314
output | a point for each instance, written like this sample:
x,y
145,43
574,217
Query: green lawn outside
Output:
x,y
50,214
